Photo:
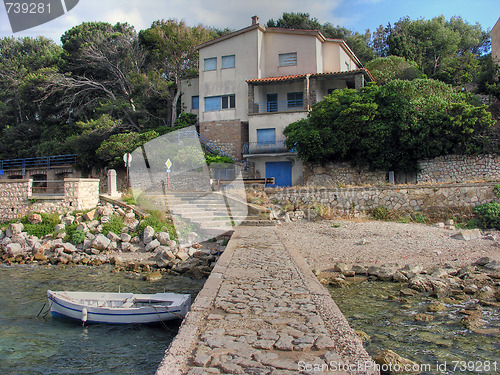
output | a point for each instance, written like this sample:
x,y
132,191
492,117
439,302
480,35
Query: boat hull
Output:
x,y
158,311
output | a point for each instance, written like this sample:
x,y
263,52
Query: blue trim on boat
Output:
x,y
66,317
110,314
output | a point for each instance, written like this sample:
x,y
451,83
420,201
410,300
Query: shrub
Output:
x,y
114,225
488,215
77,237
47,226
380,213
157,220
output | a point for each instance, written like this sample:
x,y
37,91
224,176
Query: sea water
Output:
x,y
32,344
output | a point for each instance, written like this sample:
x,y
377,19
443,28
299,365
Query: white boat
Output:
x,y
118,308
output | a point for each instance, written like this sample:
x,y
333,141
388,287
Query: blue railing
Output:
x,y
265,148
208,146
41,162
278,106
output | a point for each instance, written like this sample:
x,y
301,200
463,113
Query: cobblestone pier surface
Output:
x,y
263,312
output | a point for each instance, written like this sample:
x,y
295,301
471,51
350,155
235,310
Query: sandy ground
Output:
x,y
369,243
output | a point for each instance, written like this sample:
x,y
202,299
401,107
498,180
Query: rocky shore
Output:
x,y
150,252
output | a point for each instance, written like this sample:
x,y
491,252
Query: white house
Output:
x,y
254,82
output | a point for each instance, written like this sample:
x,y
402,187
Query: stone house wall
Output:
x,y
17,199
229,136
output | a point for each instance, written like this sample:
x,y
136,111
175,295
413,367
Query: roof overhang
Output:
x,y
298,77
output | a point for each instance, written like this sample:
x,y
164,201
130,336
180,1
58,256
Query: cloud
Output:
x,y
234,14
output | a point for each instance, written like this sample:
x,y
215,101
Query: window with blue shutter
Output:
x,y
211,63
212,103
266,136
195,102
228,62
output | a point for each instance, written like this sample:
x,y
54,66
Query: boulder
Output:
x,y
152,245
420,283
69,248
182,255
388,358
13,249
91,215
467,235
148,234
59,227
68,220
483,261
35,218
100,242
113,237
492,266
129,219
421,317
164,238
125,237
342,268
153,276
13,229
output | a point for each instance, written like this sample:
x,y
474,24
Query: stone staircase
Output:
x,y
212,213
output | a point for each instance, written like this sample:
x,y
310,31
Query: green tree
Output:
x,y
393,126
385,69
172,49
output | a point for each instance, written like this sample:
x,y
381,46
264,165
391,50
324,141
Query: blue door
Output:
x,y
281,171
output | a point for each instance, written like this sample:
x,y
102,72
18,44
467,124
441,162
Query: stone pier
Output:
x,y
262,311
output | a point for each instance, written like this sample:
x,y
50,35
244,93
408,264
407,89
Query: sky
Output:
x,y
356,15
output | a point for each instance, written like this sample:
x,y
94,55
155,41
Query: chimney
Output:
x,y
255,20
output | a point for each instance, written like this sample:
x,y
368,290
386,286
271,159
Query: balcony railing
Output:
x,y
266,148
278,106
42,162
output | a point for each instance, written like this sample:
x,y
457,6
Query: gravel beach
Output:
x,y
368,243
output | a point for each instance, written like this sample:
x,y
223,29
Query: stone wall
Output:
x,y
445,169
460,168
423,198
341,174
229,136
17,199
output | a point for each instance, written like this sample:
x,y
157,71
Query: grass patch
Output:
x,y
47,226
114,225
157,220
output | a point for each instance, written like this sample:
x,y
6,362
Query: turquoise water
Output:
x,y
45,345
443,345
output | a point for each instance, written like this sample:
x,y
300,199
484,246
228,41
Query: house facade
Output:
x,y
254,82
495,42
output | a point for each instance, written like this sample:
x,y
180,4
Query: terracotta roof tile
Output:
x,y
301,76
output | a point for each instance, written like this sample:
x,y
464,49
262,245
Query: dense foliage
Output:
x,y
391,127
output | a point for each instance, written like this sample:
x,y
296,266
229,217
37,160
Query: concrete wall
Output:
x,y
17,200
495,42
424,198
190,88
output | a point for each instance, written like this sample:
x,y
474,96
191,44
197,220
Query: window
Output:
x,y
228,62
266,136
195,102
216,103
295,99
211,63
212,103
228,101
288,59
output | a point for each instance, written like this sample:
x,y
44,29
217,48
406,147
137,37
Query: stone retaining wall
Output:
x,y
445,169
460,168
424,198
17,200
